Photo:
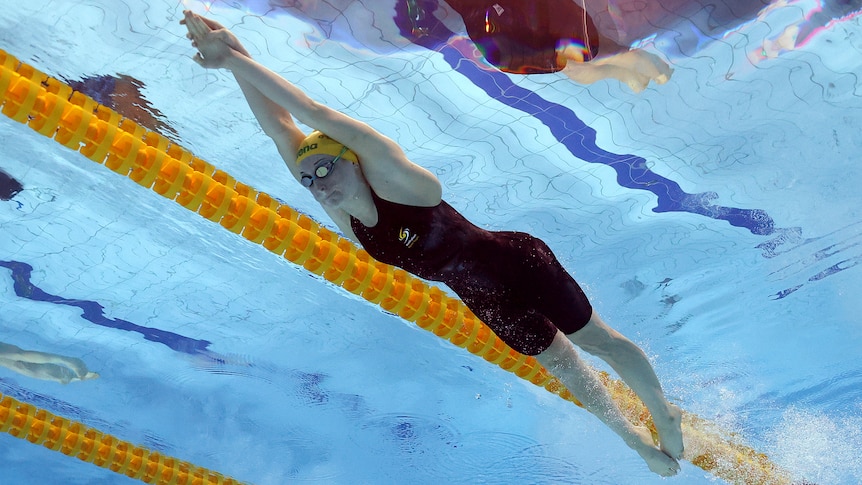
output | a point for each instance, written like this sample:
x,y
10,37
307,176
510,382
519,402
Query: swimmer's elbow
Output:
x,y
278,128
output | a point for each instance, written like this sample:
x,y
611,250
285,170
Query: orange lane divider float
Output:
x,y
104,136
72,438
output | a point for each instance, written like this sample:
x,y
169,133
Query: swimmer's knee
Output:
x,y
558,352
595,337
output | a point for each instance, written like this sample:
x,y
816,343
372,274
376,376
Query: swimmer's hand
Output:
x,y
85,377
215,44
71,369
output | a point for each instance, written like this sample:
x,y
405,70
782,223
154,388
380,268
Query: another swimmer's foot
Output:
x,y
636,82
670,433
663,78
654,67
638,67
658,461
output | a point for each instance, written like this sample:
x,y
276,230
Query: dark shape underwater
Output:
x,y
9,187
95,313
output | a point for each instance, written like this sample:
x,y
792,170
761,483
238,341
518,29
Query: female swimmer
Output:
x,y
393,207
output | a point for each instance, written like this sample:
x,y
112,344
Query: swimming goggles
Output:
x,y
321,171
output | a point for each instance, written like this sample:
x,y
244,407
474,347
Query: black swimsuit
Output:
x,y
510,280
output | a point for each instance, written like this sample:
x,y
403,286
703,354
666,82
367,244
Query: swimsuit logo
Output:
x,y
407,238
499,9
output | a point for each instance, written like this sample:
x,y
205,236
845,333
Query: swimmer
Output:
x,y
45,366
548,36
393,208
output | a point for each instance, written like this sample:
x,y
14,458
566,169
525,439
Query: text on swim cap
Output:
x,y
306,149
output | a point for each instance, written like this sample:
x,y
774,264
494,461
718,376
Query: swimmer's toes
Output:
x,y
670,471
637,84
660,463
665,76
664,71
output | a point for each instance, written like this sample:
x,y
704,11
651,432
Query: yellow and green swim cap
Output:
x,y
318,143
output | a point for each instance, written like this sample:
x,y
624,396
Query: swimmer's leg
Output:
x,y
634,68
562,360
588,73
630,362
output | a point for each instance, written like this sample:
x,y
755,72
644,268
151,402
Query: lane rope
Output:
x,y
72,438
79,123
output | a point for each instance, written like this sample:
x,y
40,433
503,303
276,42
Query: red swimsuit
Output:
x,y
510,280
522,36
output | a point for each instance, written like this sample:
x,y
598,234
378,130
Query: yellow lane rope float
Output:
x,y
78,122
72,438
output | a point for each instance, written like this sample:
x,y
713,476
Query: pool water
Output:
x,y
715,220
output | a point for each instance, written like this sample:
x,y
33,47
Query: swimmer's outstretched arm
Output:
x,y
43,365
384,163
276,122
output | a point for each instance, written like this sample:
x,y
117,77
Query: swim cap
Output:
x,y
319,144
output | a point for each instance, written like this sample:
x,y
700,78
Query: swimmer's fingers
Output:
x,y
204,30
212,24
197,27
85,377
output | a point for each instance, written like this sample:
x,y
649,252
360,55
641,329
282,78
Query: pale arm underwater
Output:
x,y
384,164
43,365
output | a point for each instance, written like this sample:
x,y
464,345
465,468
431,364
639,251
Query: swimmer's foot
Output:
x,y
670,433
657,460
653,66
635,81
637,68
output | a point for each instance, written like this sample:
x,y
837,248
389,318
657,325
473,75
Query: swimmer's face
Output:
x,y
326,177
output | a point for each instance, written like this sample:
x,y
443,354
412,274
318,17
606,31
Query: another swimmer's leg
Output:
x,y
632,365
590,72
634,68
562,360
